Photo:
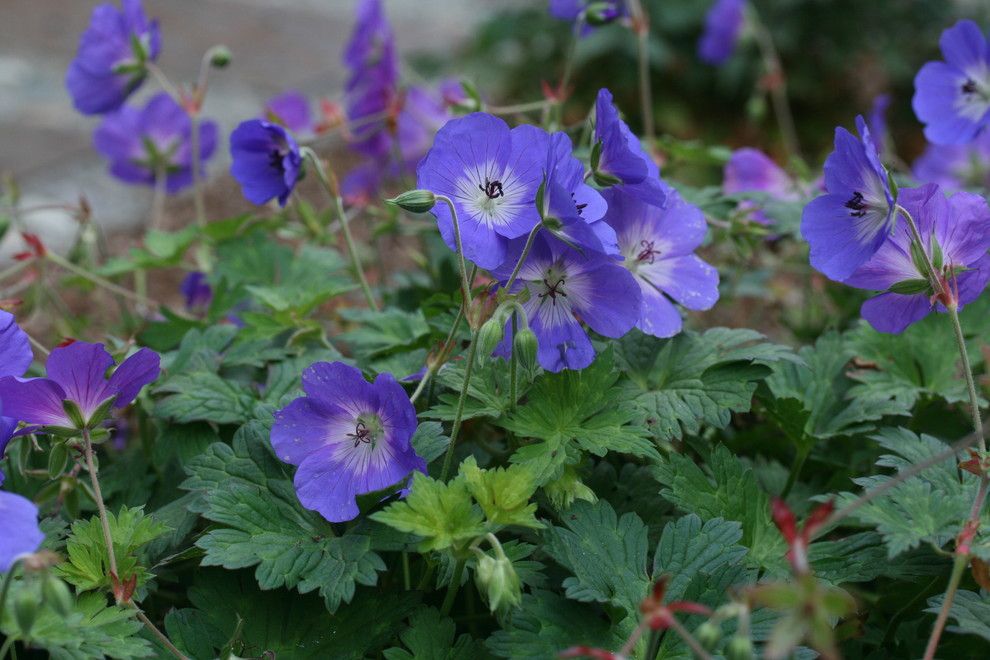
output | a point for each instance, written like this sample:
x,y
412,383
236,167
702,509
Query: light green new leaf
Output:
x,y
503,493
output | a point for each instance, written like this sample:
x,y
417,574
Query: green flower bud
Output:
x,y
220,57
525,345
600,13
739,648
414,201
57,595
708,634
497,579
26,610
490,335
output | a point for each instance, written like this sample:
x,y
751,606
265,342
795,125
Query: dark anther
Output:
x,y
648,251
361,434
579,207
857,205
492,188
275,160
552,290
969,87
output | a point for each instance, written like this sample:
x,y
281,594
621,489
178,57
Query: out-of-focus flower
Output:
x,y
846,226
19,532
723,25
877,121
110,61
751,170
15,358
196,291
142,143
956,166
952,98
596,12
291,110
956,234
348,437
266,161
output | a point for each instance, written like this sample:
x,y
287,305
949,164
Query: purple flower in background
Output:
x,y
77,373
846,226
19,532
956,166
658,244
565,284
196,291
622,160
372,86
266,161
877,121
291,110
110,60
605,11
956,235
15,358
492,175
140,143
452,92
751,170
348,437
952,98
723,24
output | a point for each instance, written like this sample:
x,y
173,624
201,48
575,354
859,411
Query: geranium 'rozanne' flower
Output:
x,y
723,24
955,232
619,158
15,358
604,11
291,110
372,85
847,225
952,98
955,166
266,161
196,291
491,174
77,381
143,143
19,532
658,244
751,170
565,284
347,436
110,61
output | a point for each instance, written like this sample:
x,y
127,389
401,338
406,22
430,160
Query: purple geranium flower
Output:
x,y
952,98
751,170
372,86
110,61
266,161
77,373
140,143
846,226
565,284
290,109
956,166
19,532
196,291
877,121
348,437
658,244
621,159
606,11
492,175
723,24
956,235
15,358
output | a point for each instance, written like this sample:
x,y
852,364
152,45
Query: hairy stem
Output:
x,y
689,639
932,274
448,460
522,257
778,87
453,587
958,566
641,26
159,635
465,285
513,364
100,506
974,400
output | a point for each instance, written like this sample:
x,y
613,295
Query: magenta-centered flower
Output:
x,y
141,143
956,166
956,234
751,170
265,160
77,373
491,174
658,244
952,98
110,62
846,226
723,24
347,436
19,532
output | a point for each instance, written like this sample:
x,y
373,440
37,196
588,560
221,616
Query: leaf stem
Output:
x,y
453,587
100,506
974,400
459,413
958,566
792,477
62,262
777,86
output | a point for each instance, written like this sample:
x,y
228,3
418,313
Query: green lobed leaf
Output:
x,y
503,493
430,636
970,610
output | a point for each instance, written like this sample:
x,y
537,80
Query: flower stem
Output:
x,y
515,109
100,506
16,269
465,285
522,257
153,629
62,262
932,274
974,400
513,360
641,26
8,579
958,566
194,140
459,413
799,459
558,104
7,646
453,587
777,86
689,639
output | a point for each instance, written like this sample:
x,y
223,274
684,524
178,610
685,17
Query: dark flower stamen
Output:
x,y
361,434
275,159
552,290
969,87
648,251
579,207
857,205
492,188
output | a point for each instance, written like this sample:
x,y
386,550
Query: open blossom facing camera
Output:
x,y
491,174
956,233
77,374
952,98
955,166
110,61
347,436
565,284
621,159
723,24
751,170
658,244
141,143
19,533
266,161
846,226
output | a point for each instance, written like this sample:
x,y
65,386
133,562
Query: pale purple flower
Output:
x,y
952,98
723,24
658,244
347,436
846,226
956,166
291,110
19,532
751,170
955,232
77,373
622,160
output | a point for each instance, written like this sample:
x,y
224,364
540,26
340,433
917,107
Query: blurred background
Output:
x,y
838,56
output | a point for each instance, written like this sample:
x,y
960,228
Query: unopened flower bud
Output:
x,y
525,346
483,307
26,610
57,595
220,57
414,201
739,648
601,13
708,634
497,579
490,335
